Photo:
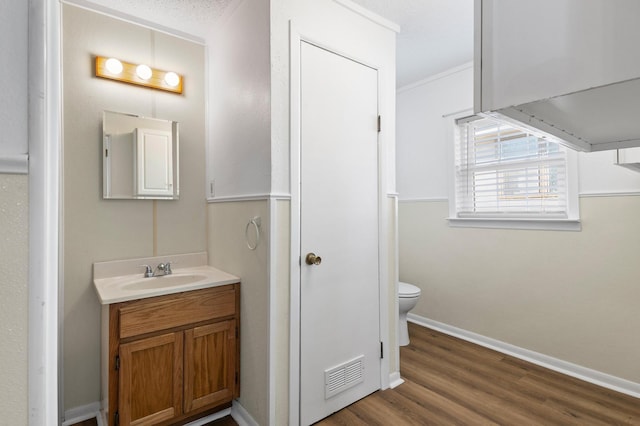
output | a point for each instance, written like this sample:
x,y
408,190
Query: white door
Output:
x,y
340,329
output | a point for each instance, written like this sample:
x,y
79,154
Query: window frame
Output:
x,y
511,220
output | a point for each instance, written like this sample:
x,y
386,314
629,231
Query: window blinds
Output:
x,y
503,171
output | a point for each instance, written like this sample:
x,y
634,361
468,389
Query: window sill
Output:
x,y
530,224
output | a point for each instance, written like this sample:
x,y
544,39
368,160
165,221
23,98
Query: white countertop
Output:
x,y
131,283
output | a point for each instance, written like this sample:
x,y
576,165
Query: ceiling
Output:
x,y
436,35
192,17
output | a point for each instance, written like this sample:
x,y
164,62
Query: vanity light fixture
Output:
x,y
114,66
172,79
139,74
144,71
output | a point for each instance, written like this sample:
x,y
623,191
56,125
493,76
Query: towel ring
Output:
x,y
256,224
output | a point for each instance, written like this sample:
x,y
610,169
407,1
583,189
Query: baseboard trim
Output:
x,y
583,373
395,380
90,411
241,415
82,413
210,418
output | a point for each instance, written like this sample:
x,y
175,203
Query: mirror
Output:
x,y
139,157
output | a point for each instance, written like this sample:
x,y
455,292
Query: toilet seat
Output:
x,y
406,290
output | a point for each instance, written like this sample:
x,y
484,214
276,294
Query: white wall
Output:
x,y
14,212
421,149
422,167
239,157
13,84
569,295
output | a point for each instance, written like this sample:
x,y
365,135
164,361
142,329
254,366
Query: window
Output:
x,y
507,176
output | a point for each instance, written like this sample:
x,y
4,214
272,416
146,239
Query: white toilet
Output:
x,y
408,295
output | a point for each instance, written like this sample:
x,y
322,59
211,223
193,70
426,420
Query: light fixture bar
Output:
x,y
158,79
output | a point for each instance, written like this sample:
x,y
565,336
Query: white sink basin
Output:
x,y
121,288
163,281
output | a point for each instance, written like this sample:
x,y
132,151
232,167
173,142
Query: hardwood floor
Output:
x,y
452,382
225,421
90,422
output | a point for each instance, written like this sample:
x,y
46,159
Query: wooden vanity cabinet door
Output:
x,y
151,379
209,365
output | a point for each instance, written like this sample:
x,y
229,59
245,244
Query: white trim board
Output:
x,y
373,17
595,194
90,411
591,194
80,414
436,77
272,261
579,372
395,380
45,122
241,415
14,164
424,200
248,197
208,419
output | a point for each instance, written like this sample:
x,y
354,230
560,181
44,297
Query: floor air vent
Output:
x,y
342,377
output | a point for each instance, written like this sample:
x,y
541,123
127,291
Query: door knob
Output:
x,y
312,259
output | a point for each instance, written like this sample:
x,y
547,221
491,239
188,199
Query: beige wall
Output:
x,y
228,251
569,295
98,230
14,252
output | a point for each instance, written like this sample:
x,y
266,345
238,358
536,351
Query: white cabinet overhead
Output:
x,y
568,68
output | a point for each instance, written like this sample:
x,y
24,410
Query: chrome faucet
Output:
x,y
161,270
148,272
165,268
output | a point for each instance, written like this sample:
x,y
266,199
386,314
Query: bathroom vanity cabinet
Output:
x,y
173,358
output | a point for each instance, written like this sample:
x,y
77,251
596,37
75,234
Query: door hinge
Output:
x,y
236,377
381,350
116,419
117,362
379,123
106,152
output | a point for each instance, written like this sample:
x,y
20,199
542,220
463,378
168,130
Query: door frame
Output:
x,y
295,38
44,123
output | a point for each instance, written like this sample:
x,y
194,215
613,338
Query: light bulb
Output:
x,y
143,71
172,79
113,65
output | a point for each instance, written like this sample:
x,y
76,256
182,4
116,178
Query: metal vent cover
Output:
x,y
343,377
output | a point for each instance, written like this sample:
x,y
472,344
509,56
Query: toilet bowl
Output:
x,y
408,295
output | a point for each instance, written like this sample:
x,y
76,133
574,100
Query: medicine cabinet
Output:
x,y
140,157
